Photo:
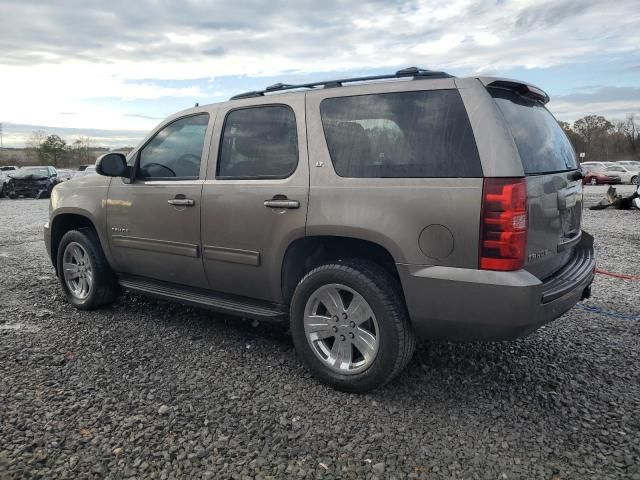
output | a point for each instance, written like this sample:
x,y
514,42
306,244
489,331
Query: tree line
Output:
x,y
602,140
54,150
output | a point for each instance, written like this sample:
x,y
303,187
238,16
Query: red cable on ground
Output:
x,y
618,275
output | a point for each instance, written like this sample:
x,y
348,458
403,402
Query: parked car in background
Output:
x,y
633,164
4,178
596,177
35,182
598,166
65,174
87,170
627,174
9,170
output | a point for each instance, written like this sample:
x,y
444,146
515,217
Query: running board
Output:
x,y
199,297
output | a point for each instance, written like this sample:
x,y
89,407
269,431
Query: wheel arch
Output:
x,y
306,253
71,220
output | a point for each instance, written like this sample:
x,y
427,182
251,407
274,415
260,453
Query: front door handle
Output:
x,y
281,201
181,202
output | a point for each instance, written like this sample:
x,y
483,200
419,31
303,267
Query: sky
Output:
x,y
112,70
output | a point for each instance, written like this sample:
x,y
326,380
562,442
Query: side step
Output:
x,y
199,297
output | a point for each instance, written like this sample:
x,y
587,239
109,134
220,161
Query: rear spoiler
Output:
x,y
523,89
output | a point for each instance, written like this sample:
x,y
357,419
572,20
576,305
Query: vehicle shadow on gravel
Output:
x,y
520,370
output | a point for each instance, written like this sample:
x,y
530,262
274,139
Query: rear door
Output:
x,y
254,200
554,185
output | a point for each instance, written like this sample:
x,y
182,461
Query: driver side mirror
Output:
x,y
112,165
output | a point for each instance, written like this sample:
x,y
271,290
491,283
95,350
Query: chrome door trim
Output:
x,y
231,255
153,245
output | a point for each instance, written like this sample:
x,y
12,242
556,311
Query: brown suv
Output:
x,y
364,211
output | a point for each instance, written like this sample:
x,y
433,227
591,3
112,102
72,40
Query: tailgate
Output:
x,y
555,214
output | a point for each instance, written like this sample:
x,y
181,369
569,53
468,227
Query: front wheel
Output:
x,y
86,278
350,326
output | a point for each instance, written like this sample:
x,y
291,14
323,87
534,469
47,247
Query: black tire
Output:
x,y
11,191
104,288
383,294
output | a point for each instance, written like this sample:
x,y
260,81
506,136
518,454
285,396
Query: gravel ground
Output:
x,y
148,389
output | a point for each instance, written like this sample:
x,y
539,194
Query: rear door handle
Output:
x,y
281,201
181,202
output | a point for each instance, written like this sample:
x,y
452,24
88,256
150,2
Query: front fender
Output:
x,y
84,197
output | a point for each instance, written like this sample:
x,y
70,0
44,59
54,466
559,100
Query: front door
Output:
x,y
254,200
153,222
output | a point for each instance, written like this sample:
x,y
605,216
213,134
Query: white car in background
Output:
x,y
627,174
633,164
4,179
597,166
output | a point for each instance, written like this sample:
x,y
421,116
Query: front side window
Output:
x,y
258,143
400,135
176,150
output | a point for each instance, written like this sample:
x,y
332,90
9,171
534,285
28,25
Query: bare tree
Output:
x,y
80,150
34,143
632,133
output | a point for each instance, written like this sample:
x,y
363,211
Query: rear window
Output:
x,y
543,146
400,135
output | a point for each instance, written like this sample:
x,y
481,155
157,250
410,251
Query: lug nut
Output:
x,y
352,335
344,315
352,324
335,329
335,318
342,337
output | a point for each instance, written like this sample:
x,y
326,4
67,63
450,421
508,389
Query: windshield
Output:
x,y
36,171
543,146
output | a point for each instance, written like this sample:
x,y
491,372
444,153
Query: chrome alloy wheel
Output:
x,y
77,271
341,329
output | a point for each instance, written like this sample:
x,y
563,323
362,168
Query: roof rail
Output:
x,y
415,72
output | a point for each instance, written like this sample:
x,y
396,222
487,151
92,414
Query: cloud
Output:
x,y
73,56
612,102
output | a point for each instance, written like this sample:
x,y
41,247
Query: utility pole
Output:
x,y
1,146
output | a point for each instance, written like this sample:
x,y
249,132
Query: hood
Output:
x,y
30,177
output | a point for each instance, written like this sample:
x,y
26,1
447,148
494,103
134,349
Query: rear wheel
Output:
x,y
350,327
86,278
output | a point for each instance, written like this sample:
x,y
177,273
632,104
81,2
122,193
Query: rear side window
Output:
x,y
259,143
400,135
543,146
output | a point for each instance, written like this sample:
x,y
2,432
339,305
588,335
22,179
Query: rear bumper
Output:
x,y
447,303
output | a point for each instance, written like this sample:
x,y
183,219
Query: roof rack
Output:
x,y
415,72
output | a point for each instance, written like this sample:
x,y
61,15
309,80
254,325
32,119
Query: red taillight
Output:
x,y
503,238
